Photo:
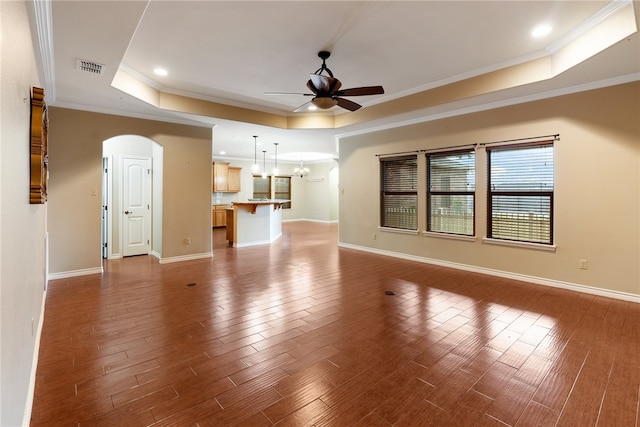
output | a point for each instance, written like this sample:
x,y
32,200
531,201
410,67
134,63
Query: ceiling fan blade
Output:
x,y
289,93
358,91
349,105
303,107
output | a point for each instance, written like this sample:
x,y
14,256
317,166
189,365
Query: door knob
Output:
x,y
127,212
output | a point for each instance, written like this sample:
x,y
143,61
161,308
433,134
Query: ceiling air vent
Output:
x,y
89,66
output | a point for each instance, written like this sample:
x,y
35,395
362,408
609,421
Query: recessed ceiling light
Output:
x,y
222,153
541,31
161,71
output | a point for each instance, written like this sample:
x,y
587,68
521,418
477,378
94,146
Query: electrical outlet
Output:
x,y
187,240
374,236
583,264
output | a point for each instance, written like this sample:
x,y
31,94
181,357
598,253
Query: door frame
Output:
x,y
149,183
107,205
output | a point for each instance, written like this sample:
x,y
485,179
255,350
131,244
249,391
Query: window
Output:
x,y
451,187
398,192
520,193
261,187
282,186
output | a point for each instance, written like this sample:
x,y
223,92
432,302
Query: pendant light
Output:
x,y
275,168
254,168
264,164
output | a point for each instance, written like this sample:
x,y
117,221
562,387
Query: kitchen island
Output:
x,y
254,222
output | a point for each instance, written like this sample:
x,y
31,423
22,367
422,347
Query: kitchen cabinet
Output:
x,y
230,225
226,179
233,179
219,215
220,176
254,222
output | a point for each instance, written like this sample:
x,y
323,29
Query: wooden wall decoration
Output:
x,y
39,159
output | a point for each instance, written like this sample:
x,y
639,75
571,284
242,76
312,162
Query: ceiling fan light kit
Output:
x,y
324,103
326,89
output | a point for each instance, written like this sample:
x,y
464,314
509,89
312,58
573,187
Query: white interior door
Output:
x,y
136,196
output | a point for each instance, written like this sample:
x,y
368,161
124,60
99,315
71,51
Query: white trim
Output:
x,y
614,81
625,296
449,236
524,245
323,221
109,214
156,254
75,273
254,243
181,258
257,242
44,28
28,407
398,230
590,23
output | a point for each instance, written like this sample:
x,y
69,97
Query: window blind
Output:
x,y
399,195
521,185
261,187
282,187
451,192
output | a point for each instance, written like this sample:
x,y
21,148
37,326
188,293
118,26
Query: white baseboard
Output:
x,y
335,221
28,407
74,273
185,257
625,296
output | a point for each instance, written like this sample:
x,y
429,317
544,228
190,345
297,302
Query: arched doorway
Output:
x,y
132,196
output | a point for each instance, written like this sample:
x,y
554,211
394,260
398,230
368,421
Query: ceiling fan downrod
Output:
x,y
323,54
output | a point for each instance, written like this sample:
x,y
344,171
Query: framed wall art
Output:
x,y
38,147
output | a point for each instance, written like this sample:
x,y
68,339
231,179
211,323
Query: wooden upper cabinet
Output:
x,y
233,181
220,176
226,178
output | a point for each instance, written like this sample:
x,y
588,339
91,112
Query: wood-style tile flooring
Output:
x,y
302,333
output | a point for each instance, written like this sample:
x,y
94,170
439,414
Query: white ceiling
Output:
x,y
232,52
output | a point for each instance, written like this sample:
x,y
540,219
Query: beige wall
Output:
x,y
314,197
22,225
75,159
597,189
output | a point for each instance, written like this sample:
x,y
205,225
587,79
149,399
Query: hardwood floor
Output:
x,y
301,332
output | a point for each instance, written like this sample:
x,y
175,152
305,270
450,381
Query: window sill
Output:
x,y
398,230
449,236
524,245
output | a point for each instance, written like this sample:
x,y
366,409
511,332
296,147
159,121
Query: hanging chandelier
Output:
x,y
301,171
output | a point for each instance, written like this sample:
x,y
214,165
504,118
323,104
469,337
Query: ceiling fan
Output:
x,y
326,89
